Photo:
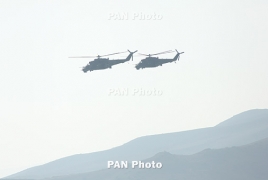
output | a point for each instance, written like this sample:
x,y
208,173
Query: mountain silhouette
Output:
x,y
244,128
248,162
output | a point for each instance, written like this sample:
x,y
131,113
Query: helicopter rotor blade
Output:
x,y
143,54
170,51
83,56
138,55
98,56
113,53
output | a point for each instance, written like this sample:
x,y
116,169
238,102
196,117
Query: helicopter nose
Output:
x,y
84,70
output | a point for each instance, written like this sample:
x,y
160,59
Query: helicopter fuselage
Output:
x,y
99,64
151,62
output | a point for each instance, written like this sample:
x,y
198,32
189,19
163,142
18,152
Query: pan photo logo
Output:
x,y
133,165
134,92
134,16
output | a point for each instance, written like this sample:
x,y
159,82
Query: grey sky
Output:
x,y
51,109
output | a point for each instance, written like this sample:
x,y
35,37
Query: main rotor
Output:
x,y
149,55
98,56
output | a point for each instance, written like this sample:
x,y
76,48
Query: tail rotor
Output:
x,y
132,53
178,53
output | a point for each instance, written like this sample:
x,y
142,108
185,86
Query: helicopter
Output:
x,y
151,62
103,63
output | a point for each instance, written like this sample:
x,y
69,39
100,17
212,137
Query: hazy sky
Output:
x,y
51,109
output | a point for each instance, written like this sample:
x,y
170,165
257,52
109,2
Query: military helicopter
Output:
x,y
151,62
104,63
